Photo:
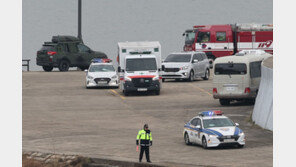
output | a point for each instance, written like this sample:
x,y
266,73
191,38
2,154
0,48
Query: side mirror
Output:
x,y
198,126
119,69
183,34
162,67
236,124
86,70
195,61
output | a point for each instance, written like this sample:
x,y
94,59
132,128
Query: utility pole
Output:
x,y
79,20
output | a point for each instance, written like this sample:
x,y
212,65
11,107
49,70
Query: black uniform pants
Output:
x,y
146,149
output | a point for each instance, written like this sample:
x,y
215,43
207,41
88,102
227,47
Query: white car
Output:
x,y
212,129
101,73
186,65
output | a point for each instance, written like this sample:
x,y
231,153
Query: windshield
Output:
x,y
230,68
220,122
145,64
101,68
178,58
189,37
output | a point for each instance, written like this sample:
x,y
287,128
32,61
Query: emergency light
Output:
x,y
211,113
100,60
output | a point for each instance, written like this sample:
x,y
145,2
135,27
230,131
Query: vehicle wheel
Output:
x,y
178,80
207,75
47,68
186,139
163,80
240,146
191,76
251,101
83,68
64,65
204,143
157,92
211,62
125,93
224,102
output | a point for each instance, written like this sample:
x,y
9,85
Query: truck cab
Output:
x,y
139,66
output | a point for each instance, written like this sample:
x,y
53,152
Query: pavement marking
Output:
x,y
201,89
123,98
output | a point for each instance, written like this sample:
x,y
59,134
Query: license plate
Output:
x,y
102,82
228,140
142,89
230,88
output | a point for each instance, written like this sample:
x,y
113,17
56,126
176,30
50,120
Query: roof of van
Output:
x,y
186,52
140,44
241,59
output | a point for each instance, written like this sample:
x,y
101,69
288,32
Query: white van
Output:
x,y
237,77
139,66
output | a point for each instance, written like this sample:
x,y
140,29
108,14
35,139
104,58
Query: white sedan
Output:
x,y
212,129
101,74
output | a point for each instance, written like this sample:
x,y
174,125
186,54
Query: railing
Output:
x,y
27,63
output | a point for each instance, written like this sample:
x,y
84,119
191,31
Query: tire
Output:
x,y
191,76
83,68
224,102
207,75
64,65
126,93
157,92
240,146
204,143
163,80
47,68
186,139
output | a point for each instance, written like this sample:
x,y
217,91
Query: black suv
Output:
x,y
64,52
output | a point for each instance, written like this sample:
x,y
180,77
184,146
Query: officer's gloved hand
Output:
x,y
150,143
147,131
137,142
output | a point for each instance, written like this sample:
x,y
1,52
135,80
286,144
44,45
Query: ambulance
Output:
x,y
139,66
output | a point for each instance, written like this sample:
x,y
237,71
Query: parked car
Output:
x,y
64,52
186,65
237,77
101,73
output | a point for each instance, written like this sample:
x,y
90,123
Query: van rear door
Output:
x,y
230,78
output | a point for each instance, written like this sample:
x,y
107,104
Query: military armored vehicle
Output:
x,y
64,52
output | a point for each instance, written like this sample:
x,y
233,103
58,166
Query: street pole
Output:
x,y
79,20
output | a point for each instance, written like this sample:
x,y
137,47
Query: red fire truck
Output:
x,y
223,40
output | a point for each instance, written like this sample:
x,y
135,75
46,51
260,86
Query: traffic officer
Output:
x,y
145,138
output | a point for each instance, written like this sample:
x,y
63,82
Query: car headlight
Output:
x,y
114,77
213,136
126,78
241,134
184,68
155,78
90,77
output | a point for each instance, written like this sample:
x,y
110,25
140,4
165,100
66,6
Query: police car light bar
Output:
x,y
211,113
100,60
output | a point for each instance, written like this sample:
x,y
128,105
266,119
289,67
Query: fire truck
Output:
x,y
223,40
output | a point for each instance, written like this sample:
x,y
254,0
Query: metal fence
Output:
x,y
26,62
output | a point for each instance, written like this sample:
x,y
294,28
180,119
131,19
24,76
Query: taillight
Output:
x,y
51,53
247,90
215,90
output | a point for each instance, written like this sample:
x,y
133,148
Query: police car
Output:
x,y
212,129
101,73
